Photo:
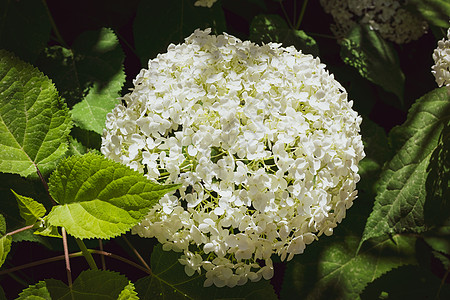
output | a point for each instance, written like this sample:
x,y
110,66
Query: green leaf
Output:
x,y
100,198
407,282
272,28
439,238
152,32
36,292
30,210
2,294
34,122
435,12
330,269
101,59
169,281
399,206
128,293
5,241
24,28
91,284
374,58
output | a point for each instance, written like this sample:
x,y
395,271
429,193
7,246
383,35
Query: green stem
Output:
x,y
20,230
302,13
87,255
285,14
55,29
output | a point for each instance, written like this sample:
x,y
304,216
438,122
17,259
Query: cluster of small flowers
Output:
x,y
441,57
388,17
205,3
262,140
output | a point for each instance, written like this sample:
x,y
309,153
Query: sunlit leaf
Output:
x,y
30,210
152,32
34,122
169,281
5,241
272,28
374,58
36,292
100,198
399,206
128,293
24,27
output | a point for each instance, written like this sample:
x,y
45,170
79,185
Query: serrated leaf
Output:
x,y
100,198
25,28
91,284
30,210
399,206
272,28
5,241
36,291
34,122
102,59
169,281
331,270
152,32
128,293
374,58
435,12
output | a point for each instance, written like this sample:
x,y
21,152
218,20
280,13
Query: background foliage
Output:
x,y
62,67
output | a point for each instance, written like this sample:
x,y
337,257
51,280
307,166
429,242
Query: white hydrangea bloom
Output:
x,y
263,141
205,3
388,17
441,57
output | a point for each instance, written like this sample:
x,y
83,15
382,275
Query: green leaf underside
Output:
x,y
399,205
5,241
100,198
89,285
333,271
25,28
374,58
272,28
34,122
169,281
435,12
30,210
99,59
153,33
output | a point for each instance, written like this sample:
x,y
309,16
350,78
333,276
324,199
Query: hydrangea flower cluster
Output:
x,y
388,17
205,3
441,57
262,140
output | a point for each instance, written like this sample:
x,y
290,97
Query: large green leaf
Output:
x,y
374,58
407,282
30,210
399,206
24,27
152,32
169,281
331,269
436,12
272,28
5,241
100,198
91,284
34,122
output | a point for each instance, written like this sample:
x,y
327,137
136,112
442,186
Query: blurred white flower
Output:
x,y
441,57
205,3
262,140
388,17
